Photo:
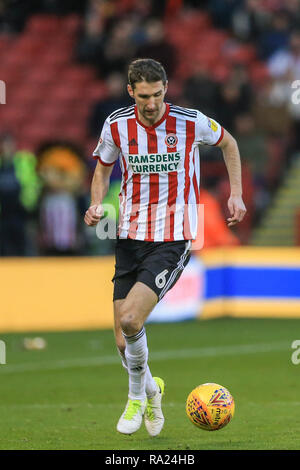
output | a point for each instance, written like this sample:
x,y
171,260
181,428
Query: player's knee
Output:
x,y
130,326
130,322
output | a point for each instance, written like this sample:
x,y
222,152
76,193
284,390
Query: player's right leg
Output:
x,y
154,419
130,315
151,386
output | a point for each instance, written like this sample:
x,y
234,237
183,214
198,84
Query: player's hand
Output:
x,y
93,214
237,210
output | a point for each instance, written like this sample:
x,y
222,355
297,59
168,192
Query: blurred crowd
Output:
x,y
253,103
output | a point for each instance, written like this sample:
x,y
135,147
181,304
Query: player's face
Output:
x,y
149,98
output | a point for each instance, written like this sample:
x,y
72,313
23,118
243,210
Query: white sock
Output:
x,y
136,354
151,387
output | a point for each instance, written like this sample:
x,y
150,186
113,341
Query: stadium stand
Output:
x,y
51,93
41,62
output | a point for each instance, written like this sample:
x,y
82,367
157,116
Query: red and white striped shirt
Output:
x,y
160,166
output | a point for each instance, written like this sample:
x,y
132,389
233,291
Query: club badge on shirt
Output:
x,y
171,140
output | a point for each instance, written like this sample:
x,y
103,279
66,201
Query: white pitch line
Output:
x,y
172,354
64,406
74,406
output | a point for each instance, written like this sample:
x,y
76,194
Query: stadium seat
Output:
x,y
13,116
183,70
181,38
96,90
241,54
207,57
188,22
13,76
14,58
52,114
62,93
52,59
89,145
80,111
32,136
220,72
215,39
28,45
43,24
77,76
5,43
40,76
72,23
61,43
76,132
27,95
259,74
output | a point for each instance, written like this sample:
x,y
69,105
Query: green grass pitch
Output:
x,y
71,394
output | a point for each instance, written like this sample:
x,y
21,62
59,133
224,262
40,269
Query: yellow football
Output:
x,y
210,406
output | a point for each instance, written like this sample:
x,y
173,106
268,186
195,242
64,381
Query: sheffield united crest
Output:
x,y
171,140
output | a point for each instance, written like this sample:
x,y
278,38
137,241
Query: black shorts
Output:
x,y
157,264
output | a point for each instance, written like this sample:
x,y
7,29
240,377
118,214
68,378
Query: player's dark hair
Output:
x,y
146,70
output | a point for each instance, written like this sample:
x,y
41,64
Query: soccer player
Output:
x,y
157,145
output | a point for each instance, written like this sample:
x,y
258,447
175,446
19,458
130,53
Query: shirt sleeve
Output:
x,y
208,131
106,151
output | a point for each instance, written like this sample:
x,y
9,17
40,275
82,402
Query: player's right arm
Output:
x,y
99,189
107,152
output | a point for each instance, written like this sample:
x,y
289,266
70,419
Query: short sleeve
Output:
x,y
208,131
106,151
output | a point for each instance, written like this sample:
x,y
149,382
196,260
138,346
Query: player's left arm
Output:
x,y
232,160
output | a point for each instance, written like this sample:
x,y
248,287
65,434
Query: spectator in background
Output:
x,y
156,46
19,191
233,99
276,36
292,7
58,7
200,90
249,19
119,47
90,41
63,173
14,13
116,98
111,32
222,12
284,68
260,20
95,29
136,7
284,65
2,16
12,212
254,152
252,144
